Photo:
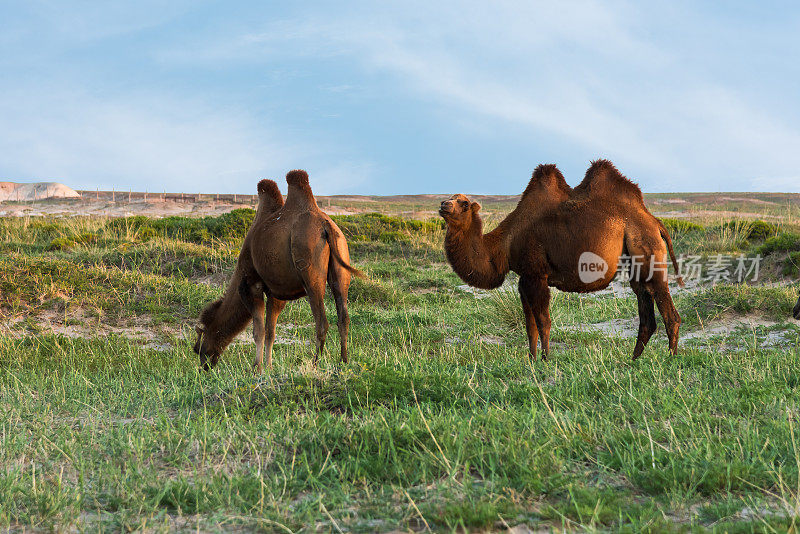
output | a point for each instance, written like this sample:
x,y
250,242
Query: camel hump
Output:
x,y
299,193
297,177
603,178
270,188
266,186
547,177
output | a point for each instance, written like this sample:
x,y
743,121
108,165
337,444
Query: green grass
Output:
x,y
439,421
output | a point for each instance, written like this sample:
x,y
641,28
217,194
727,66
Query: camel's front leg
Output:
x,y
258,333
252,295
274,308
530,323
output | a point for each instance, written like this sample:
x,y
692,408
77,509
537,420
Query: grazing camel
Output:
x,y
223,319
796,311
290,252
571,239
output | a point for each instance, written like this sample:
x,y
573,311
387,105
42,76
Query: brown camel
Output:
x,y
796,311
223,319
571,239
290,251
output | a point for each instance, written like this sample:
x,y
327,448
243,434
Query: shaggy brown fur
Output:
x,y
290,251
543,239
796,311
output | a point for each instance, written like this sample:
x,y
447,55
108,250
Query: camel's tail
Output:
x,y
668,240
330,235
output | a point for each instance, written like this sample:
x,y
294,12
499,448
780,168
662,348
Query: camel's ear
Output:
x,y
475,207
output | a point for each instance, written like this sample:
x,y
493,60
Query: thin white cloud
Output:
x,y
154,143
593,76
147,143
589,73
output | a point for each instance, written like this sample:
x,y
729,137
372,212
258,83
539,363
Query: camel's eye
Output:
x,y
463,203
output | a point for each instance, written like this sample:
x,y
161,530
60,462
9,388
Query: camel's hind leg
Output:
x,y
339,282
316,299
645,245
274,308
537,294
647,317
672,320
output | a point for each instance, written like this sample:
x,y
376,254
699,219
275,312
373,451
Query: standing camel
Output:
x,y
291,251
553,232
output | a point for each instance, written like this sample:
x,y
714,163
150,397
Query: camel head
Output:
x,y
207,346
796,311
459,211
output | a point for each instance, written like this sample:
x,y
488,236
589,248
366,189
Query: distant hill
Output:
x,y
35,191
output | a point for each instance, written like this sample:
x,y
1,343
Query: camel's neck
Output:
x,y
267,205
481,260
232,316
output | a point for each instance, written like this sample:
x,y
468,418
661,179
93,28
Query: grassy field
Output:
x,y
439,421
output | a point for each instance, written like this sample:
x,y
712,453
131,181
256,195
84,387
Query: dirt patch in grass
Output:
x,y
735,329
77,324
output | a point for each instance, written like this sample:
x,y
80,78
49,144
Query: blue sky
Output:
x,y
400,97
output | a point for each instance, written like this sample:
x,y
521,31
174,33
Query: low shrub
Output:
x,y
228,226
61,243
235,224
752,230
85,237
45,227
681,226
784,242
145,233
761,230
791,267
379,227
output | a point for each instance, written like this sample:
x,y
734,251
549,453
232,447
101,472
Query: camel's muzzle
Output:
x,y
208,359
446,208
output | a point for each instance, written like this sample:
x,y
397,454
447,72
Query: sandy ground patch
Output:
x,y
716,214
734,331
